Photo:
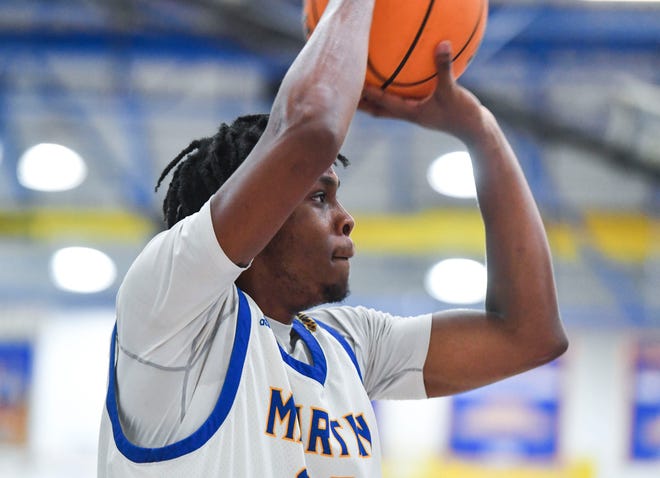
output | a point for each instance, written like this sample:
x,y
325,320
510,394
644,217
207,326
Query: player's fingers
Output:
x,y
385,104
367,107
369,102
443,63
372,94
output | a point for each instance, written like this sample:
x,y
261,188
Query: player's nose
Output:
x,y
346,221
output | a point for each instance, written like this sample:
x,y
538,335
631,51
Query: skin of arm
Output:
x,y
520,327
308,122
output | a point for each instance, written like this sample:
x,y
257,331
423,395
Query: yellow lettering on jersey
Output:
x,y
284,412
334,425
319,430
361,431
325,435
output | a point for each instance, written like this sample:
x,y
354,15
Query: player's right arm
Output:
x,y
182,273
308,123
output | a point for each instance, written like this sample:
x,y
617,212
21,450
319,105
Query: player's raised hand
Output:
x,y
449,108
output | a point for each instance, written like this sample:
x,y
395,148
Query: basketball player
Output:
x,y
216,371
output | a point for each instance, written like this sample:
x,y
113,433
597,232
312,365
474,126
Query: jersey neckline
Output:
x,y
318,370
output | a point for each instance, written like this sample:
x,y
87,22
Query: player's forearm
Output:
x,y
308,123
325,81
521,287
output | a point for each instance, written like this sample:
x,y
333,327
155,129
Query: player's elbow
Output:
x,y
554,350
549,345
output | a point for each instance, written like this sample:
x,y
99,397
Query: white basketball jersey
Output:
x,y
275,416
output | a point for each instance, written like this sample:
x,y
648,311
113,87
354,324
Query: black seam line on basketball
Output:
x,y
373,69
413,83
419,82
411,48
474,31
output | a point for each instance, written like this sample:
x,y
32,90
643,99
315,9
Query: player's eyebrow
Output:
x,y
330,181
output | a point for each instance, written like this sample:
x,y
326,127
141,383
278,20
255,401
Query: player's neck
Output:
x,y
279,296
273,310
269,300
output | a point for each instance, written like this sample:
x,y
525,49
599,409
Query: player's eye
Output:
x,y
319,197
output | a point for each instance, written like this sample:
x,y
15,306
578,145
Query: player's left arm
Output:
x,y
520,327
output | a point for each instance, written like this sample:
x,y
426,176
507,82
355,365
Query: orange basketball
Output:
x,y
404,34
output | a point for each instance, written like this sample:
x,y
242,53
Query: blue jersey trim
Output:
x,y
220,411
344,343
319,370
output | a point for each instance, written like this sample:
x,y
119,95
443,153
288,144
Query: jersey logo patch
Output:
x,y
308,322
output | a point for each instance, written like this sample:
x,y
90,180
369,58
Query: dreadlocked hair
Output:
x,y
207,163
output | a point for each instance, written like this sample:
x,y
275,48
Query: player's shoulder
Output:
x,y
348,313
352,322
340,316
360,321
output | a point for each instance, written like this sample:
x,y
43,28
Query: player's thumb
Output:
x,y
443,63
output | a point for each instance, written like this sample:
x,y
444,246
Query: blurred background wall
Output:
x,y
126,85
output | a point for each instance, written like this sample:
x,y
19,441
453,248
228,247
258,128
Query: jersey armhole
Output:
x,y
199,437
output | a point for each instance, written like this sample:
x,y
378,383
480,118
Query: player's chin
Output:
x,y
336,292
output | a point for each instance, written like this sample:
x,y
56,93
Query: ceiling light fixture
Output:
x,y
82,269
451,174
457,281
51,167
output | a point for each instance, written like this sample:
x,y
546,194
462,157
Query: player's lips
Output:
x,y
344,254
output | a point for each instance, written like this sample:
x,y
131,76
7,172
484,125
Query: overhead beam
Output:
x,y
547,128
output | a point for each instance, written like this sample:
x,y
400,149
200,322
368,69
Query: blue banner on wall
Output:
x,y
645,440
15,378
517,418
